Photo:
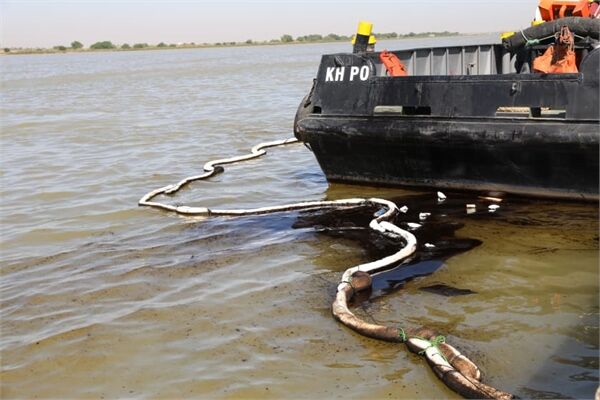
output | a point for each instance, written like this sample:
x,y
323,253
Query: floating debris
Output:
x,y
493,207
471,208
423,216
413,225
441,197
494,199
403,209
429,245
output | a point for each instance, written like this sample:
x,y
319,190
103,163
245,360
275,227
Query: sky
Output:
x,y
40,23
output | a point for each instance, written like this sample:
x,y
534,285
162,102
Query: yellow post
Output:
x,y
362,36
364,28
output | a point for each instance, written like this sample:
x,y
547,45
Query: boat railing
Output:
x,y
483,59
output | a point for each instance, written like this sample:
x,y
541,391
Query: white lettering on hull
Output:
x,y
338,74
329,74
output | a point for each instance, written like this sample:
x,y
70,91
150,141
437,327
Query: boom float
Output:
x,y
454,369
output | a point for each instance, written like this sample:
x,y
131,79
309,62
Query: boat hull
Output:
x,y
544,158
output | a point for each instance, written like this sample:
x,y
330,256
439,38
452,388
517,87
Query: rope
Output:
x,y
401,334
532,42
432,343
529,42
435,345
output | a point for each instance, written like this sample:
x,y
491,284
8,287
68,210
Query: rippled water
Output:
x,y
101,298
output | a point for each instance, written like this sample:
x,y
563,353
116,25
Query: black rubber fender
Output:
x,y
578,25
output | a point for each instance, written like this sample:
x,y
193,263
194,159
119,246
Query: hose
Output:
x,y
585,27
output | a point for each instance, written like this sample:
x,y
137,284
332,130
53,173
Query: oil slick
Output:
x,y
446,290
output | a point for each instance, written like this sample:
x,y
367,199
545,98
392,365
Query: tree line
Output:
x,y
286,38
332,37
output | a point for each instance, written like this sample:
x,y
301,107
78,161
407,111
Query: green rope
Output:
x,y
531,42
433,343
401,334
437,340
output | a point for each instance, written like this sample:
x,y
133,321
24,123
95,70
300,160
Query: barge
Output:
x,y
481,118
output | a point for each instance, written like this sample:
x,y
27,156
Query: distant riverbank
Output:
x,y
78,47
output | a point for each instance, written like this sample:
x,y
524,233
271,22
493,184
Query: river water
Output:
x,y
104,299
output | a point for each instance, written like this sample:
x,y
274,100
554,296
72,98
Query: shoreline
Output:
x,y
33,51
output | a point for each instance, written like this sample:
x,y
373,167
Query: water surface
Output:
x,y
101,298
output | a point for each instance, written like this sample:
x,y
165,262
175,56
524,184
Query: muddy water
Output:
x,y
101,298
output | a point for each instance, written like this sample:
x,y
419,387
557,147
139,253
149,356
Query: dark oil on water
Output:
x,y
438,227
574,228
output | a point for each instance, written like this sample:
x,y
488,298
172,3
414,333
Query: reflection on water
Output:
x,y
103,299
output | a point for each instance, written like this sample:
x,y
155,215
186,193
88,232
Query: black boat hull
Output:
x,y
542,158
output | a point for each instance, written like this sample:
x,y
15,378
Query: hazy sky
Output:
x,y
50,23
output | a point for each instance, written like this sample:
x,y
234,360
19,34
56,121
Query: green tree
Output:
x,y
125,46
140,45
249,41
102,45
6,50
161,44
287,38
76,45
310,38
60,48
